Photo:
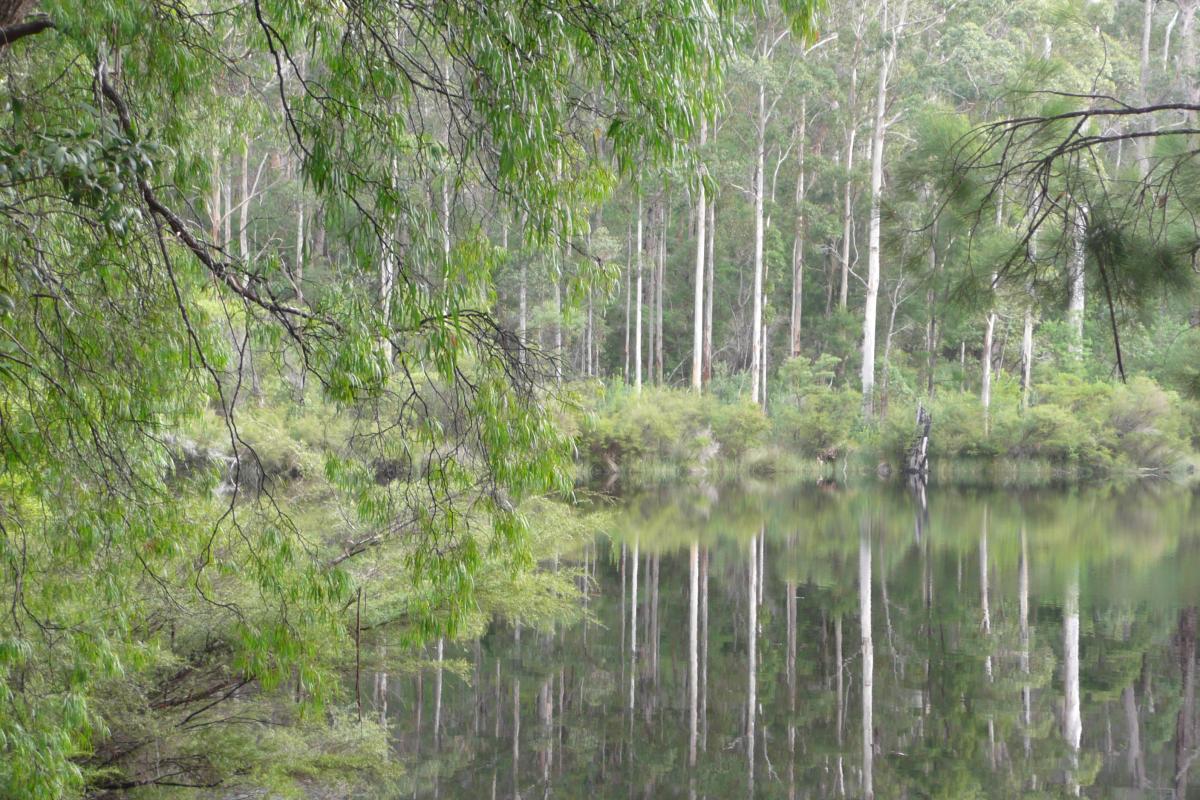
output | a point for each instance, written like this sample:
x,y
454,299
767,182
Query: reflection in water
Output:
x,y
714,662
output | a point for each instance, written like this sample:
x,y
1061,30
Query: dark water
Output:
x,y
844,642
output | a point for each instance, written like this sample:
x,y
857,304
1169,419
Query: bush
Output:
x,y
820,421
738,427
1147,424
668,425
958,428
809,413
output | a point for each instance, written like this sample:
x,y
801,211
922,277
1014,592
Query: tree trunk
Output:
x,y
798,238
1187,66
247,258
985,392
711,286
558,328
214,202
437,696
756,389
244,216
628,297
637,328
887,346
698,294
931,327
873,251
660,285
1026,357
14,11
847,188
652,289
1075,279
1141,144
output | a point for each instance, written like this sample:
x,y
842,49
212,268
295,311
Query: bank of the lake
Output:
x,y
1075,430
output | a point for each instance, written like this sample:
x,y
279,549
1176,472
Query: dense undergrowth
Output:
x,y
1075,425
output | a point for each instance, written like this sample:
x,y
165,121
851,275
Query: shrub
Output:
x,y
821,420
1148,425
668,425
958,428
738,427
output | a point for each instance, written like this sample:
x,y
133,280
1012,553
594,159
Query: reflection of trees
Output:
x,y
868,658
1185,731
964,699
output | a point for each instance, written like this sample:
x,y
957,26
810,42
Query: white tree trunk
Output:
x,y
227,214
798,239
298,266
710,286
1026,357
659,289
244,217
558,328
437,695
847,188
628,298
1141,144
756,388
214,202
1187,59
637,324
873,253
1075,279
698,306
985,392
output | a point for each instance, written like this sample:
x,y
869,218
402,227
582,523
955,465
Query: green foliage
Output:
x,y
809,414
669,426
160,542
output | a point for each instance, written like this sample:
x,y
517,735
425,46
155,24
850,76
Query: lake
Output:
x,y
825,641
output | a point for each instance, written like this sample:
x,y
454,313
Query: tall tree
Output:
x,y
893,27
698,298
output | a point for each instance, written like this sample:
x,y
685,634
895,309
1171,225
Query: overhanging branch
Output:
x,y
22,29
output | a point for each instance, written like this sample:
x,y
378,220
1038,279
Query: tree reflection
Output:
x,y
720,643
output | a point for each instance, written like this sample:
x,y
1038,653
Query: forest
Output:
x,y
347,340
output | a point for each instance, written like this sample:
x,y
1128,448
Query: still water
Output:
x,y
828,641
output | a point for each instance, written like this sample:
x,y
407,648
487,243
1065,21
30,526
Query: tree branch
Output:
x,y
22,29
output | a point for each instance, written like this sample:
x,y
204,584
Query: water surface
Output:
x,y
826,641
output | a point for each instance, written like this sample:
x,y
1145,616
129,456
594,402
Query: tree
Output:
x,y
109,113
877,135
